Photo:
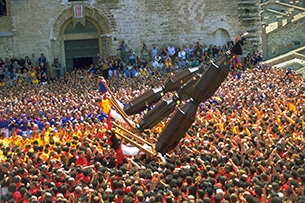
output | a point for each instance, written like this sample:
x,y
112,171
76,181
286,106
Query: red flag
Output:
x,y
119,156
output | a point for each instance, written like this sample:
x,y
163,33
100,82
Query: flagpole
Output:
x,y
132,134
134,143
118,108
120,111
113,97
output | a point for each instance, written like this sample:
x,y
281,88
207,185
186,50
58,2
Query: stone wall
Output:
x,y
272,9
286,38
36,27
284,26
6,42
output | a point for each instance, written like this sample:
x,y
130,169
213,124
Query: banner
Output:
x,y
78,13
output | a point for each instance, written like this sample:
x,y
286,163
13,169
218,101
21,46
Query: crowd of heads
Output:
x,y
245,145
152,61
155,60
17,71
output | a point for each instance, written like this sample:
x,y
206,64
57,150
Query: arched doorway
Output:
x,y
66,38
81,45
221,37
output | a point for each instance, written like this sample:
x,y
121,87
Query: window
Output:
x,y
3,8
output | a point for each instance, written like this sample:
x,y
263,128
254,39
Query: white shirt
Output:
x,y
171,50
181,54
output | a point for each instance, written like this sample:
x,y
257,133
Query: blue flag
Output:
x,y
102,87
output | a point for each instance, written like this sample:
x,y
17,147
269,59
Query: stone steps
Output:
x,y
248,14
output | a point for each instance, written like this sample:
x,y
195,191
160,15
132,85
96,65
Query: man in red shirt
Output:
x,y
81,159
16,194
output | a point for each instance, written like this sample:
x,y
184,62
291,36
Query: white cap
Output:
x,y
281,195
78,188
219,191
108,190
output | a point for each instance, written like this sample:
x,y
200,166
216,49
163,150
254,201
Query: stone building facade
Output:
x,y
48,26
283,26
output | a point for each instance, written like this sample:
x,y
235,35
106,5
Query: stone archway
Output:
x,y
92,15
220,37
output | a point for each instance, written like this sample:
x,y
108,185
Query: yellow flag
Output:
x,y
105,105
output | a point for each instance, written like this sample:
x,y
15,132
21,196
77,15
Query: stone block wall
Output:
x,y
284,26
35,23
286,38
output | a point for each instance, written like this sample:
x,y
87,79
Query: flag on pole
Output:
x,y
116,116
102,87
133,151
105,103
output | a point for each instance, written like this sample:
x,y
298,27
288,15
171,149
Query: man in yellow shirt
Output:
x,y
143,72
4,140
34,136
2,83
45,155
23,141
14,139
52,136
42,141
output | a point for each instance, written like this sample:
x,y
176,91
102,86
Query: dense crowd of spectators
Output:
x,y
18,71
246,144
149,62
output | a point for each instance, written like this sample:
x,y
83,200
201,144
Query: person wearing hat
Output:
x,y
77,191
108,190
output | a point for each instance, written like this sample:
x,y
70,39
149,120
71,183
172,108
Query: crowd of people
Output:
x,y
150,62
246,144
18,71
